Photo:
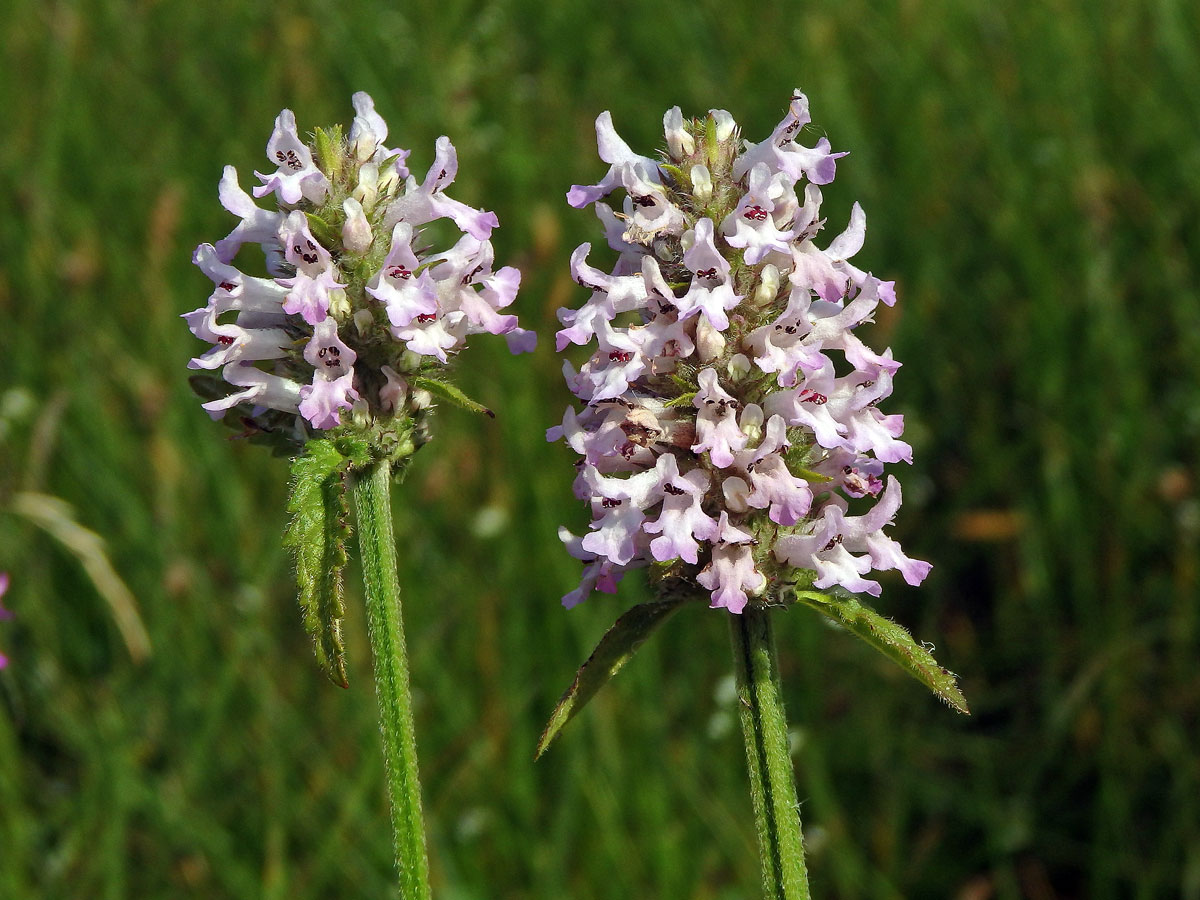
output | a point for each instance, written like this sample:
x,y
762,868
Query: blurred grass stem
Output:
x,y
772,782
377,549
56,517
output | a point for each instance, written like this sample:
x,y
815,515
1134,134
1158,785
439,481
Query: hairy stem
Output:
x,y
377,548
772,782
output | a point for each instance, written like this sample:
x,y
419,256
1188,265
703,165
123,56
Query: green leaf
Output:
x,y
614,650
355,447
450,392
890,639
317,536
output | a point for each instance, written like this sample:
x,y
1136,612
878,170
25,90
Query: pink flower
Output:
x,y
345,282
296,177
4,613
730,414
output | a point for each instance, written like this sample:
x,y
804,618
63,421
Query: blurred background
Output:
x,y
1031,176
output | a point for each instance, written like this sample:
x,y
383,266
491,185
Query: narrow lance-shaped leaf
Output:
x,y
614,650
890,639
447,391
317,536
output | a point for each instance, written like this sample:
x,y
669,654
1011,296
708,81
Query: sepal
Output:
x,y
683,400
328,233
328,146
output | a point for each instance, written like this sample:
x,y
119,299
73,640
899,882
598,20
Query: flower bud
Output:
x,y
751,422
739,366
339,304
701,183
735,492
680,142
364,321
768,286
725,125
356,233
368,187
710,343
394,394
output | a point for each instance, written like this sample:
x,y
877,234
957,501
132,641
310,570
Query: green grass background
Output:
x,y
1031,175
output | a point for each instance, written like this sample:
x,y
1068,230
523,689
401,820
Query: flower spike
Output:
x,y
350,276
744,320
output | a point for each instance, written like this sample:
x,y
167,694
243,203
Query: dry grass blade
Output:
x,y
57,518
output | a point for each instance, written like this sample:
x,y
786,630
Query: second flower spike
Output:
x,y
730,417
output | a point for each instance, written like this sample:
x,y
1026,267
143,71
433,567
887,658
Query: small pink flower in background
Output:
x,y
4,613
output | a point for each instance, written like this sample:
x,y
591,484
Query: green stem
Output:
x,y
377,548
772,782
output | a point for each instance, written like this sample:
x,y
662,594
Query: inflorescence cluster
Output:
x,y
353,304
729,409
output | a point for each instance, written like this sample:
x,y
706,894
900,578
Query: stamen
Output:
x,y
833,542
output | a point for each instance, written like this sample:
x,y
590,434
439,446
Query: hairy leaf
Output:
x,y
614,650
890,639
681,178
448,391
317,536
